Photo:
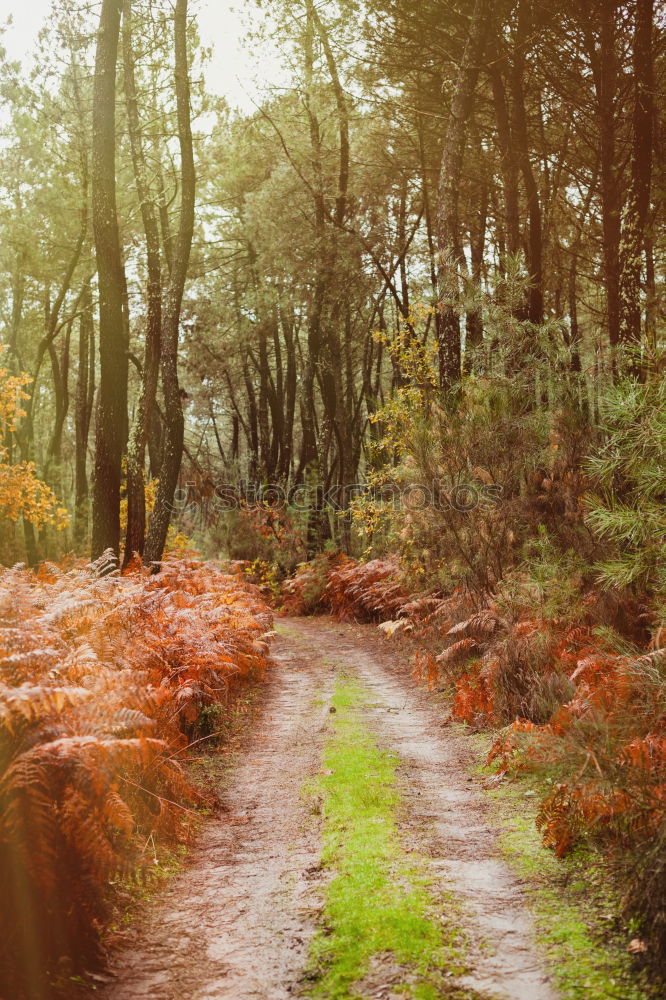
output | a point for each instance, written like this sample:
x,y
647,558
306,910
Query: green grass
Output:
x,y
379,901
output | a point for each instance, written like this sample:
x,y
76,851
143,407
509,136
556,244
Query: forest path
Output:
x,y
238,921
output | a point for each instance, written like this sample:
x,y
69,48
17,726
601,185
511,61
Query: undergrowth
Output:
x,y
577,910
105,684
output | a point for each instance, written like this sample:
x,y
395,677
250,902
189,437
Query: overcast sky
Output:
x,y
231,74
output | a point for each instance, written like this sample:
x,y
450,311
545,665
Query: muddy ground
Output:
x,y
236,924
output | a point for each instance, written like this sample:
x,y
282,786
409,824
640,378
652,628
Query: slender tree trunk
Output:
x,y
311,455
263,370
427,207
521,139
60,375
238,421
252,424
218,439
83,413
173,416
235,438
331,373
136,452
275,390
448,222
402,242
574,335
474,329
111,421
508,162
638,203
278,399
651,299
290,386
605,62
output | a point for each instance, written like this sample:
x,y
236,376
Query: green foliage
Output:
x,y
256,534
306,592
628,507
548,583
477,475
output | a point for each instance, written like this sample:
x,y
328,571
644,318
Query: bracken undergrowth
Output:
x,y
105,680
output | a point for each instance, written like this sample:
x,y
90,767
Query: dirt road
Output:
x,y
236,924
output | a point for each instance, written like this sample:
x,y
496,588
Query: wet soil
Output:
x,y
237,922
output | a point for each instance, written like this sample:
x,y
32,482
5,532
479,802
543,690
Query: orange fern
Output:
x,y
103,681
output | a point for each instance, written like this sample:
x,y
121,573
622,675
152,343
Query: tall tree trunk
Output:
x,y
605,68
638,202
574,330
331,370
173,409
277,398
427,206
521,139
218,439
448,222
60,375
263,370
478,227
136,452
290,386
402,242
111,421
251,426
508,162
311,457
85,383
651,298
310,451
235,438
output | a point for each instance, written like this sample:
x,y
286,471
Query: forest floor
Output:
x,y
313,883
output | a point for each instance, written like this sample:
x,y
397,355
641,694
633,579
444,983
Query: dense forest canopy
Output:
x,y
448,206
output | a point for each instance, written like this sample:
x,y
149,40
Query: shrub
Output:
x,y
604,754
461,485
306,592
257,532
372,591
515,671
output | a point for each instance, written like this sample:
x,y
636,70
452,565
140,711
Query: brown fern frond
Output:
x,y
482,625
458,651
28,703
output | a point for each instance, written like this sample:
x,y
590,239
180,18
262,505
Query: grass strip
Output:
x,y
379,903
